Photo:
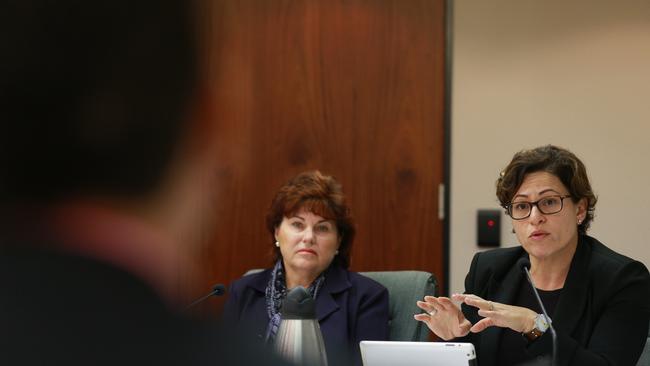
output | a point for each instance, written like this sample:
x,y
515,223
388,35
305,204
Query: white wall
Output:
x,y
572,73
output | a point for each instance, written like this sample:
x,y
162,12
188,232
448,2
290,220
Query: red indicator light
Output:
x,y
490,223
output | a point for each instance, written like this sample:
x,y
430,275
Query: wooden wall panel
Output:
x,y
351,87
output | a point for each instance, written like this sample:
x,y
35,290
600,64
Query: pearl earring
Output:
x,y
337,252
277,243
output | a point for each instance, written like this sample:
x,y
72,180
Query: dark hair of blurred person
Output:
x,y
94,96
103,136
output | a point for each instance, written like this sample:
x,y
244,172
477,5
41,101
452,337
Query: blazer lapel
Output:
x,y
255,304
336,281
502,292
573,299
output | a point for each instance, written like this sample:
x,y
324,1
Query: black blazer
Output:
x,y
601,317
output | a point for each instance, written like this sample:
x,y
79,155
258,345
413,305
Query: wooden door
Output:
x,y
354,88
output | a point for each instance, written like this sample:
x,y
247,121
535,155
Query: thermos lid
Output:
x,y
298,305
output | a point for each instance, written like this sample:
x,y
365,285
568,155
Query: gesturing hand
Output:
x,y
443,317
516,318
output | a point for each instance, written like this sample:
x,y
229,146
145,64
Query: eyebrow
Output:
x,y
540,193
319,222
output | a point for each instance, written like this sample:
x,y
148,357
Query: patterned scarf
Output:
x,y
276,291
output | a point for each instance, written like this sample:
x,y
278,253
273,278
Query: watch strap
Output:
x,y
533,334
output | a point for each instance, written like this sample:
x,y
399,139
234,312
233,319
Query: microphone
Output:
x,y
218,290
524,264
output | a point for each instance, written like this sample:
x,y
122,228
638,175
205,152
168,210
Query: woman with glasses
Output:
x,y
598,301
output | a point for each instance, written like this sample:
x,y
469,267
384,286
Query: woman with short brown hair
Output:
x,y
311,230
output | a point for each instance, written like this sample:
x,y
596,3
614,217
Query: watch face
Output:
x,y
541,322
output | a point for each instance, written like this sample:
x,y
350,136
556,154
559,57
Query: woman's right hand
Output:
x,y
443,317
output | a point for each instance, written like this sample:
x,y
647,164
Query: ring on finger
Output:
x,y
491,306
433,312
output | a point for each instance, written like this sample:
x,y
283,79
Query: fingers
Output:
x,y
426,306
422,317
446,303
435,299
494,313
464,328
476,301
481,325
429,307
486,309
459,297
434,304
487,313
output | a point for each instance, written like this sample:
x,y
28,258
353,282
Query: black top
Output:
x,y
512,347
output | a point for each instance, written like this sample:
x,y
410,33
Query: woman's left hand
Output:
x,y
516,318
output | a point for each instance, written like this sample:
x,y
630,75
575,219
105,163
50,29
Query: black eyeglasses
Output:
x,y
547,205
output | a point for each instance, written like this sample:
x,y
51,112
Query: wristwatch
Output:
x,y
541,325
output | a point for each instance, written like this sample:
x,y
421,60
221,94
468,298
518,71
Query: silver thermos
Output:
x,y
299,338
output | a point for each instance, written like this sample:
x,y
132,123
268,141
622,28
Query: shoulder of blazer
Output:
x,y
337,280
255,281
368,284
493,265
606,266
601,255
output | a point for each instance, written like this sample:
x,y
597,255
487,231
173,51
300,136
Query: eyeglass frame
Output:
x,y
508,207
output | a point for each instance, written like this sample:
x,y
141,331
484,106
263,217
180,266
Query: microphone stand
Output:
x,y
217,290
550,321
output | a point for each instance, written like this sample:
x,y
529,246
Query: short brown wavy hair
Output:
x,y
554,160
321,195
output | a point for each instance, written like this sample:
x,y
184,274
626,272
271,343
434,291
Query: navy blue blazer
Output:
x,y
601,317
350,308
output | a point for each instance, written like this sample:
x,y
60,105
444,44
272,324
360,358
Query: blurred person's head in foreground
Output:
x,y
105,152
100,113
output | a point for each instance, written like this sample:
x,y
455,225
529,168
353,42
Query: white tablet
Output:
x,y
391,353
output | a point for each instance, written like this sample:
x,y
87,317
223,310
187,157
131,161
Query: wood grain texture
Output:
x,y
352,88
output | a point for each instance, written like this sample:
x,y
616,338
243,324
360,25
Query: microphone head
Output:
x,y
298,305
218,289
523,263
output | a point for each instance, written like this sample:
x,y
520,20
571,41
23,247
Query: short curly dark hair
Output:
x,y
321,195
554,160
